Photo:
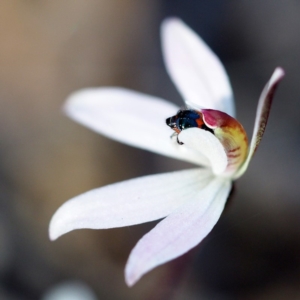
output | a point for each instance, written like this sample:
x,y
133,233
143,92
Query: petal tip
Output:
x,y
277,75
171,21
73,101
129,283
130,279
52,236
59,224
53,230
171,26
280,70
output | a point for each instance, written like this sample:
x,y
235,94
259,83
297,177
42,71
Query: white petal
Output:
x,y
129,117
196,71
262,115
206,144
129,202
179,232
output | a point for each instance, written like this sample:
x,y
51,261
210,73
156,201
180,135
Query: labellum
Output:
x,y
228,130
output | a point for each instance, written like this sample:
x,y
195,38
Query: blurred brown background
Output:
x,y
49,49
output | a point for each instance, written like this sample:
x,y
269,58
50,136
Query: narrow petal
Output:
x,y
196,71
262,115
206,144
179,232
128,117
129,202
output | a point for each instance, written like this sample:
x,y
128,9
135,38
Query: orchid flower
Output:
x,y
190,201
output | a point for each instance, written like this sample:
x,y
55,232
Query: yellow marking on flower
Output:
x,y
232,136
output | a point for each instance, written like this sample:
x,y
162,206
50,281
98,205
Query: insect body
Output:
x,y
187,119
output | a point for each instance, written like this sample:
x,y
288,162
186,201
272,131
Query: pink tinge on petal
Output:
x,y
178,233
262,115
195,70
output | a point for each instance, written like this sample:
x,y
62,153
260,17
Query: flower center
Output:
x,y
226,129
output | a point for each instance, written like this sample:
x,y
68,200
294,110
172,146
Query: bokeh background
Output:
x,y
50,48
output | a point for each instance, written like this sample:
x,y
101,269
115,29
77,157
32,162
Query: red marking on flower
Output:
x,y
233,155
233,150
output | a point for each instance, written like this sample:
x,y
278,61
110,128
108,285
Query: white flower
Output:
x,y
190,201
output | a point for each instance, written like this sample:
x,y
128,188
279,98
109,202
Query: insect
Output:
x,y
184,119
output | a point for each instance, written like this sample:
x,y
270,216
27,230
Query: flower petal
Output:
x,y
206,144
196,71
262,115
129,117
129,202
179,232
